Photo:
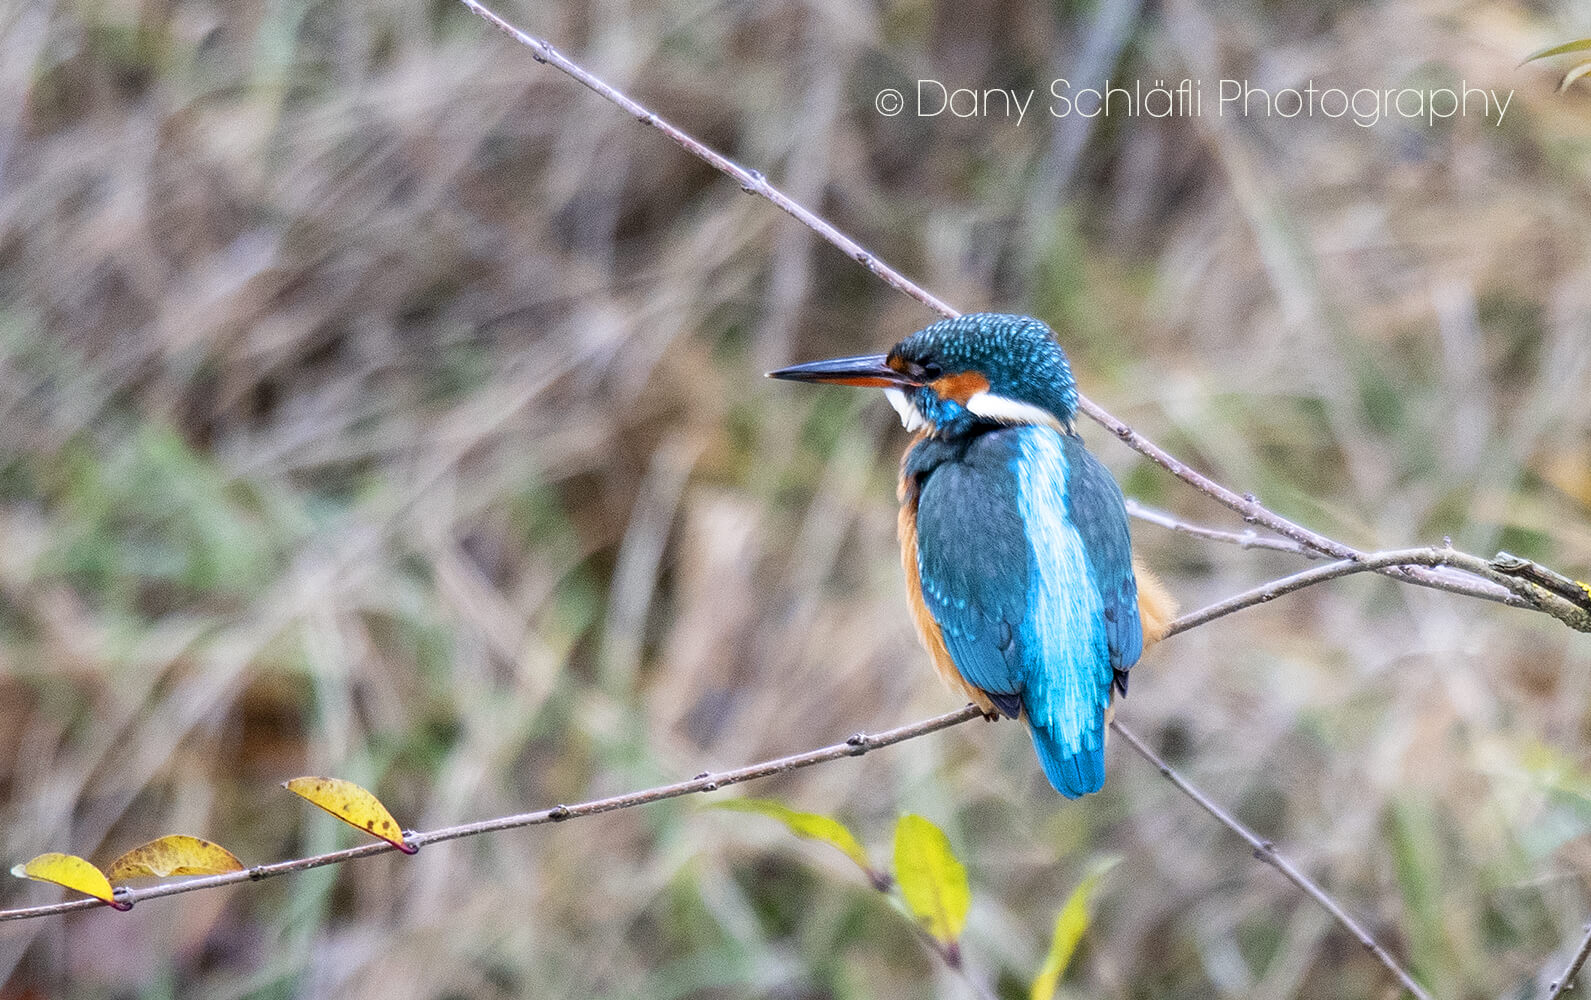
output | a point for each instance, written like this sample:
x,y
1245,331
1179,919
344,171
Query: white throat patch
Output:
x,y
910,416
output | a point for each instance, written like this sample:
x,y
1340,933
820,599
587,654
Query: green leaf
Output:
x,y
808,826
1578,45
1070,924
932,881
1568,80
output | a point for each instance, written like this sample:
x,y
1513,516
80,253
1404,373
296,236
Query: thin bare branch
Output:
x,y
1266,851
1375,563
856,746
1565,981
1497,587
1247,539
750,181
1443,575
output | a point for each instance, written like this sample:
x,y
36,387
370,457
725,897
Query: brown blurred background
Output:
x,y
376,402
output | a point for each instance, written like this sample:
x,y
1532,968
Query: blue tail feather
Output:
x,y
1073,773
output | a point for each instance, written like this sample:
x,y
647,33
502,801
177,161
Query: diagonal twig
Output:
x,y
1428,558
1266,851
856,746
1565,980
1512,591
1247,539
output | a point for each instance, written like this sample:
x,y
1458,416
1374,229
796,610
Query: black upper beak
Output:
x,y
869,370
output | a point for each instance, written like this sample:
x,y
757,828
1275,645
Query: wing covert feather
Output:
x,y
972,559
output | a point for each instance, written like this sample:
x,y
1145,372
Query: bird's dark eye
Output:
x,y
930,370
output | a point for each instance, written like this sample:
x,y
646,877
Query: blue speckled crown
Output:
x,y
1018,354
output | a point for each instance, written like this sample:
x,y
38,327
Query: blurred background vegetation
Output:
x,y
375,402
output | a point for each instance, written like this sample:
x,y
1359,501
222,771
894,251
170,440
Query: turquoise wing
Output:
x,y
1095,505
1006,574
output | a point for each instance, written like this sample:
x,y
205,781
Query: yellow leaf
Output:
x,y
353,805
932,881
173,854
1570,77
1578,45
1070,924
809,826
74,873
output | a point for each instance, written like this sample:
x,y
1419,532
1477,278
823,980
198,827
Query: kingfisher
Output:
x,y
1019,565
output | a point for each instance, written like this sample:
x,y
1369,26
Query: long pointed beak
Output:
x,y
869,370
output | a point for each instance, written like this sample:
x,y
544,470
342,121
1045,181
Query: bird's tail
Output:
x,y
1073,772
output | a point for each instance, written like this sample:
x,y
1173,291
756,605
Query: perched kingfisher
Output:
x,y
1014,539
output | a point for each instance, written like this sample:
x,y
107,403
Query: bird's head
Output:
x,y
983,368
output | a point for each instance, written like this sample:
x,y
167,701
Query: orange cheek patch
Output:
x,y
960,387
